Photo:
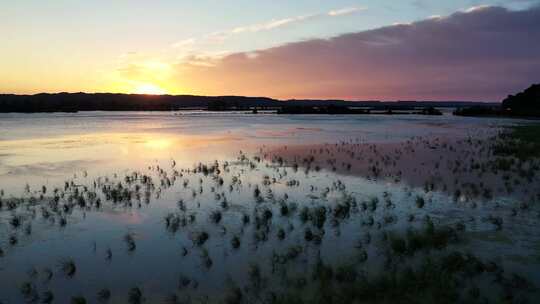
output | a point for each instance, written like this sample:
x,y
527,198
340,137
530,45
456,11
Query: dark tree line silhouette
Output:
x,y
523,104
74,102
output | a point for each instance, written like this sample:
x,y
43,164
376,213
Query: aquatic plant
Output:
x,y
235,242
245,219
172,299
104,295
130,242
284,209
47,297
28,290
205,256
183,282
216,216
497,221
420,202
256,192
201,238
68,267
234,296
135,296
308,235
281,234
16,221
78,300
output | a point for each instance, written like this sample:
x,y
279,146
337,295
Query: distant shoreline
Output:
x,y
81,102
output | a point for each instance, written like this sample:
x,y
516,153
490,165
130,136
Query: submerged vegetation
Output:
x,y
290,226
522,141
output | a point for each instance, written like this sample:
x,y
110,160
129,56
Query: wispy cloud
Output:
x,y
276,23
476,8
221,36
184,43
346,11
273,24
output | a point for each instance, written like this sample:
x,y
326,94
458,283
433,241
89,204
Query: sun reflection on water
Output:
x,y
28,160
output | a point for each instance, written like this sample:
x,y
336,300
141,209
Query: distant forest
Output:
x,y
522,104
74,102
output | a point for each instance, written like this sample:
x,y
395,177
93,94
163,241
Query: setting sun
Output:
x,y
150,89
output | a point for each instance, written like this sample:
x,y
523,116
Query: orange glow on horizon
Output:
x,y
150,89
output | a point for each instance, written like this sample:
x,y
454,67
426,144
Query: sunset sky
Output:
x,y
371,49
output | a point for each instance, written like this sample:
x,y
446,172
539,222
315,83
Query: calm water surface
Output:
x,y
48,149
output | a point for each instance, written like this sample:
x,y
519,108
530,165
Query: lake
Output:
x,y
38,147
208,207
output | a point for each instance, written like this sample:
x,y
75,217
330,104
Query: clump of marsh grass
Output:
x,y
284,209
427,239
234,296
420,202
135,296
497,221
346,274
173,298
436,279
16,221
183,282
255,275
47,274
246,219
108,254
362,256
104,295
28,229
281,234
201,238
68,267
62,221
256,192
29,292
47,297
205,256
235,242
130,242
78,300
216,216
32,272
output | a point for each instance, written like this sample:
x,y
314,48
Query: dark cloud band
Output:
x,y
481,54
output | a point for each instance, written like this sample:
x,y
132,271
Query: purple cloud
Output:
x,y
481,54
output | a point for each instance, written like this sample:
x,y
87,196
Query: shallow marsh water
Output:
x,y
156,245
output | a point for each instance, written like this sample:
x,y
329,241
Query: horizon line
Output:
x,y
262,97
